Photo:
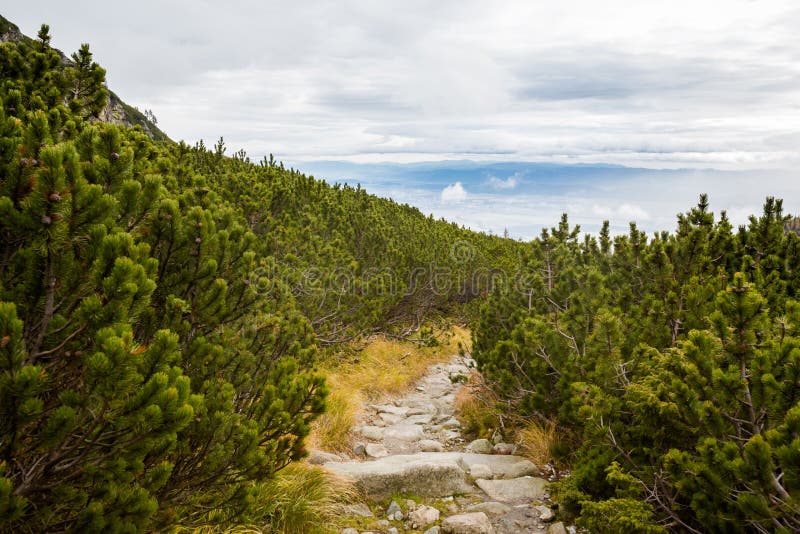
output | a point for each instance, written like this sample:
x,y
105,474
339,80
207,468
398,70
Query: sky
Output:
x,y
708,89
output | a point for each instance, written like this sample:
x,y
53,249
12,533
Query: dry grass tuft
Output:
x,y
476,408
301,499
383,368
537,442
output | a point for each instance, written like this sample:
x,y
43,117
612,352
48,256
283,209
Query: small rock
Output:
x,y
392,530
411,505
423,516
557,528
322,457
359,449
490,508
471,523
420,388
433,530
383,523
393,509
480,446
398,516
349,530
360,510
480,471
545,513
430,445
375,450
504,448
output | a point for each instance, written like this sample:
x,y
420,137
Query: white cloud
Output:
x,y
454,193
624,211
711,84
509,183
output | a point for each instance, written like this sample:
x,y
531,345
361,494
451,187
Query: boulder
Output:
x,y
557,528
501,466
515,490
470,523
480,471
427,474
375,450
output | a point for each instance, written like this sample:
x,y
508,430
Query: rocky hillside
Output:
x,y
116,110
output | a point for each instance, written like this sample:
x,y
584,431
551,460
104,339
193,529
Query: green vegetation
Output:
x,y
671,365
167,313
161,309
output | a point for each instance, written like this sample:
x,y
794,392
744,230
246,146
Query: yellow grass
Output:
x,y
383,369
536,442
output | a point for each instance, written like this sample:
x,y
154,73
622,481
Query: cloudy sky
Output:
x,y
691,85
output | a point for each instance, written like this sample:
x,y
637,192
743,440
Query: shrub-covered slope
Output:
x,y
161,306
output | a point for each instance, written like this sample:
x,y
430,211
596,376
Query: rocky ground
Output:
x,y
419,474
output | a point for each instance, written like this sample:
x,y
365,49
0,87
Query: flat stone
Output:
x,y
481,471
321,457
470,523
375,450
390,408
480,446
516,490
502,466
490,508
403,432
423,516
391,418
427,474
557,528
359,510
371,432
421,410
430,445
421,419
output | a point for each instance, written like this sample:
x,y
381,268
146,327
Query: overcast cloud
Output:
x,y
651,83
695,85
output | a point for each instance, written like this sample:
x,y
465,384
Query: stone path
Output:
x,y
412,450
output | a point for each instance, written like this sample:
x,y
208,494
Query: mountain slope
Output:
x,y
116,110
